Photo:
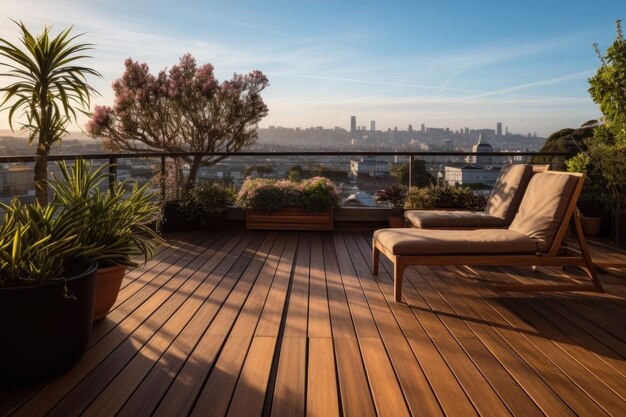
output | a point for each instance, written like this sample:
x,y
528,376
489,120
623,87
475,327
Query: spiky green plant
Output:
x,y
117,216
37,242
48,89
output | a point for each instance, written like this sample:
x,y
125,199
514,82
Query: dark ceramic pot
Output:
x,y
214,221
43,332
174,220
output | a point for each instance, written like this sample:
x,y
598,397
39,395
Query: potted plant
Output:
x,y
285,204
207,202
594,201
394,196
118,222
46,291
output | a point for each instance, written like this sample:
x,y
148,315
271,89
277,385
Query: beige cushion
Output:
x,y
543,207
454,242
508,191
452,219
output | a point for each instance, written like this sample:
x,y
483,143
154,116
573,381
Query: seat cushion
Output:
x,y
508,191
543,207
452,219
455,242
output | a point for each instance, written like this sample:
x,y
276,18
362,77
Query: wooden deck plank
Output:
x,y
355,395
522,373
417,390
556,378
140,314
319,314
214,399
267,324
322,392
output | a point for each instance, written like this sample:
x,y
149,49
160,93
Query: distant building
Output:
x,y
410,128
499,129
481,147
359,199
448,145
464,174
423,128
369,166
353,124
372,125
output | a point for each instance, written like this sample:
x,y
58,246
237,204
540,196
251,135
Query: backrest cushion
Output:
x,y
508,191
543,207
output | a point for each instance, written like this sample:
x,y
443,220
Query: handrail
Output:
x,y
69,157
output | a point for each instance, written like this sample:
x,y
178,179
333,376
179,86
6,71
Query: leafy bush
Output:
x,y
443,196
315,194
207,198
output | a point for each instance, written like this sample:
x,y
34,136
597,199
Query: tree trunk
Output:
x,y
41,173
193,173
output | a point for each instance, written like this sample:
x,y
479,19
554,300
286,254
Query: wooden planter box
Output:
x,y
290,219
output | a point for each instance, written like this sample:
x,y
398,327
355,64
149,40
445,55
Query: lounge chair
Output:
x,y
500,209
533,238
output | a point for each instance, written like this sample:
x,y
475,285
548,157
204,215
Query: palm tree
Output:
x,y
48,89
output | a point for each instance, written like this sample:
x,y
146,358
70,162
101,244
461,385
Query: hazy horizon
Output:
x,y
449,64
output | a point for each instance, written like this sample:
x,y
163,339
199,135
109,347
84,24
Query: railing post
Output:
x,y
163,178
411,160
112,172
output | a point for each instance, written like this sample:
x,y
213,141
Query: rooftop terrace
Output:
x,y
293,324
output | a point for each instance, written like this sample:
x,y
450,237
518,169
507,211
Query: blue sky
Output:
x,y
443,63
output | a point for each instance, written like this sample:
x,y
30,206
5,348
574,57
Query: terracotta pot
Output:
x,y
108,283
591,225
396,221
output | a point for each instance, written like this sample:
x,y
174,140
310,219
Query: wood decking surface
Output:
x,y
293,324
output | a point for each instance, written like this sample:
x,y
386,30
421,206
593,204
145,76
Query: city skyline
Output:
x,y
398,63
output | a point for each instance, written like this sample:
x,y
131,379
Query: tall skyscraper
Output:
x,y
423,128
353,124
499,129
410,128
372,125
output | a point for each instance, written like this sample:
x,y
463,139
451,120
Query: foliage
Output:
x,y
38,242
421,177
297,172
569,141
117,218
261,169
48,89
207,198
183,110
314,195
443,196
608,87
603,155
394,195
319,194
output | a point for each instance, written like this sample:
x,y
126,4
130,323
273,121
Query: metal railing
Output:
x,y
409,156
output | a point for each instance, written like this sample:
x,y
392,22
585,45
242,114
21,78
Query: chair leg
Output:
x,y
398,271
589,267
375,258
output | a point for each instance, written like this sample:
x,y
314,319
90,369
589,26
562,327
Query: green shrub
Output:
x,y
207,198
443,196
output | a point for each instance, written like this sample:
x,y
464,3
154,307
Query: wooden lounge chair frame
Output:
x,y
550,258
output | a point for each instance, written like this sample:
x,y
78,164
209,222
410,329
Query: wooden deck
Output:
x,y
293,324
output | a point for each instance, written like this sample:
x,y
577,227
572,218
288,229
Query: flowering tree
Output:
x,y
183,110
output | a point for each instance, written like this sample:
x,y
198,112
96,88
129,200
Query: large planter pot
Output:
x,y
290,219
43,332
174,220
591,225
619,226
108,283
214,221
